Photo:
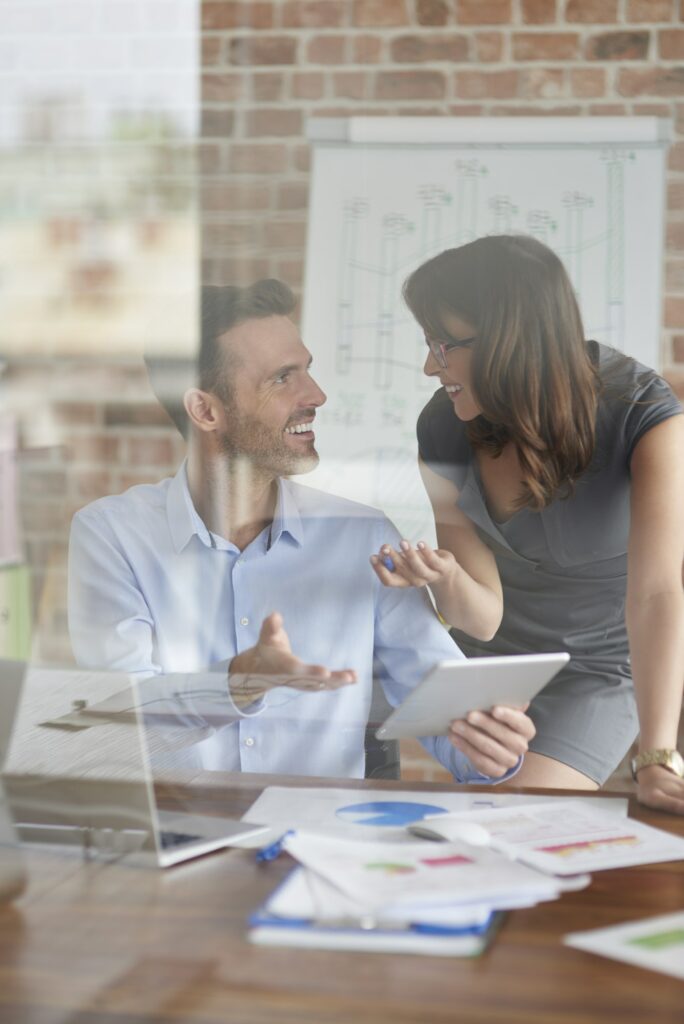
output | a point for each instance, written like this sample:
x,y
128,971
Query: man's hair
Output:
x,y
222,307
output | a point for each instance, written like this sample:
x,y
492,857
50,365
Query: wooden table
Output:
x,y
111,944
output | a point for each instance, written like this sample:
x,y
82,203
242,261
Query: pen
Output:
x,y
388,563
273,850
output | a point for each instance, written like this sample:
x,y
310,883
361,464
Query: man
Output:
x,y
230,564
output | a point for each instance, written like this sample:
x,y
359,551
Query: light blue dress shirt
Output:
x,y
152,592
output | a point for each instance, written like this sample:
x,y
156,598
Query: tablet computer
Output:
x,y
453,688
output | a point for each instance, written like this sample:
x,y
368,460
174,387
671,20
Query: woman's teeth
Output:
x,y
453,389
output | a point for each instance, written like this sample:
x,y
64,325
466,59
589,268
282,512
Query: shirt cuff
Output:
x,y
475,778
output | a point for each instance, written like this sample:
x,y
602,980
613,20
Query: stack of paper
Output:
x,y
418,897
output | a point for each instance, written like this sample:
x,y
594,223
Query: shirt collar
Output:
x,y
184,521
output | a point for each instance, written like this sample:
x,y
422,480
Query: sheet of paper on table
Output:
x,y
656,943
568,837
374,814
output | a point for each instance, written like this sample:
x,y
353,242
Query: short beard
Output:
x,y
250,442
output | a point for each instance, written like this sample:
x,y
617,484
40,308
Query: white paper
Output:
x,y
656,943
572,837
349,813
417,875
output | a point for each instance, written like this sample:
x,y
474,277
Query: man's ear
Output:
x,y
204,409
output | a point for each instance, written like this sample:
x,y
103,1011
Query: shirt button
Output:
x,y
244,621
249,742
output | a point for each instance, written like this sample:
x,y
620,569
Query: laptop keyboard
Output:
x,y
169,840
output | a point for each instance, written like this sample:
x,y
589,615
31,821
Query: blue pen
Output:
x,y
273,850
388,563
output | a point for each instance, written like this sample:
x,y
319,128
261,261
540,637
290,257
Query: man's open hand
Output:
x,y
271,663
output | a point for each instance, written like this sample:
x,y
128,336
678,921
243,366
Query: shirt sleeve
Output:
x,y
652,403
409,640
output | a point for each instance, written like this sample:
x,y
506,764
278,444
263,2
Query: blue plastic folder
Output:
x,y
366,935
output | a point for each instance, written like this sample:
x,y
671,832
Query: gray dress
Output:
x,y
564,569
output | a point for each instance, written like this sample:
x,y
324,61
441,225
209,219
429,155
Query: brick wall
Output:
x,y
266,68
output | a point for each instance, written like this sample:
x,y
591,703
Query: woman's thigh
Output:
x,y
546,773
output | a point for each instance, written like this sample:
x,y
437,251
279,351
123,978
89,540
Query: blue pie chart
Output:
x,y
389,813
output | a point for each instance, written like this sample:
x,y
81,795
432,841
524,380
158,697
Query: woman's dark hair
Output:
x,y
221,307
531,373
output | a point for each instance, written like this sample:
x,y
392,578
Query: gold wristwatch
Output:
x,y
670,759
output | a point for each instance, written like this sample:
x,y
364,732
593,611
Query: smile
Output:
x,y
453,389
300,428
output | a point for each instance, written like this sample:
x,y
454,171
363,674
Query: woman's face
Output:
x,y
455,377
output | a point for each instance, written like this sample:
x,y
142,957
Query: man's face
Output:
x,y
269,417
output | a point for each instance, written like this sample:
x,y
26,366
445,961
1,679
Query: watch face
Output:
x,y
670,759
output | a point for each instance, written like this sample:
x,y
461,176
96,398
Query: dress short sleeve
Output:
x,y
653,402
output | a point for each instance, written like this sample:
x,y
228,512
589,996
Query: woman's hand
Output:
x,y
493,741
657,787
413,567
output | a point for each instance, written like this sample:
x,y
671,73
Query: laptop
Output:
x,y
80,771
453,688
12,874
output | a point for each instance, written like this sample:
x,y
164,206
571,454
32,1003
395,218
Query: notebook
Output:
x,y
86,775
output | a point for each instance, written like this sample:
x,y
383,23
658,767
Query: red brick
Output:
x,y
285,234
77,413
466,109
366,49
587,83
674,275
541,83
671,43
535,111
478,85
90,484
545,45
222,14
134,414
432,12
607,110
256,50
265,158
307,85
226,236
93,448
241,271
538,12
678,348
268,87
212,51
209,156
312,14
410,85
652,110
222,88
291,271
674,237
273,121
650,10
350,85
618,46
232,196
327,50
148,451
652,81
293,195
674,312
488,46
301,158
380,13
596,11
217,123
437,47
483,12
675,195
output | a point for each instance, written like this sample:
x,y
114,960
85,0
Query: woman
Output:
x,y
555,469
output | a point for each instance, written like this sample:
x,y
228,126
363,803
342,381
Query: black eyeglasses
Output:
x,y
440,349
